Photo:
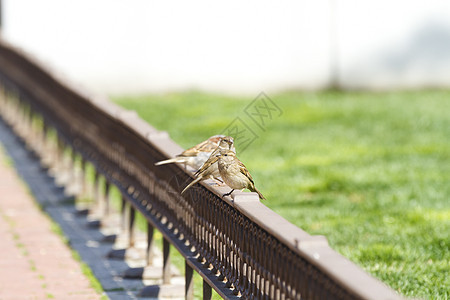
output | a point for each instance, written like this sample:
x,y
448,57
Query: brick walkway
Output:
x,y
35,263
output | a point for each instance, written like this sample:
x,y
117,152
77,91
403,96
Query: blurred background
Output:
x,y
357,147
237,47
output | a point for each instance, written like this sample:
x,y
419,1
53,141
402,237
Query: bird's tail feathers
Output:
x,y
171,160
191,184
259,194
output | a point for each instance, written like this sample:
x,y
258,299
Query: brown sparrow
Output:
x,y
196,156
209,169
234,173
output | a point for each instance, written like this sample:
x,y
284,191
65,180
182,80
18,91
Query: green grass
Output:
x,y
370,171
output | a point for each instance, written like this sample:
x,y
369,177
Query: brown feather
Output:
x,y
206,146
211,160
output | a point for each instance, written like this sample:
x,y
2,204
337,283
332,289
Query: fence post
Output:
x,y
123,213
131,223
189,282
207,291
84,189
73,167
166,261
150,241
83,178
96,195
107,199
59,152
127,216
45,146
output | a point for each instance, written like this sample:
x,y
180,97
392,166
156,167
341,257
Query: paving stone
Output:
x,y
35,262
87,241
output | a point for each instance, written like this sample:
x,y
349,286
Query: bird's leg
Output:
x,y
228,194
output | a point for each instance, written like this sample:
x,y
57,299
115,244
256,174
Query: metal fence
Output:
x,y
240,248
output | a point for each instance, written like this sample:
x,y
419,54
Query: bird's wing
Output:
x,y
206,146
244,171
251,187
211,160
210,146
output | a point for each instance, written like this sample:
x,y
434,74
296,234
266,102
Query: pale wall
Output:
x,y
118,46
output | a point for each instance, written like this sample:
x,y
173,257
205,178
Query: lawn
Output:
x,y
370,171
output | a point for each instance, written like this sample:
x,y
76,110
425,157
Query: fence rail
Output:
x,y
240,248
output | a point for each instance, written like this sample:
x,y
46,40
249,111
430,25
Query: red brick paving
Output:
x,y
34,261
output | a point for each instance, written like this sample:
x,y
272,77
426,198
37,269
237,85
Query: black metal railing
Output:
x,y
240,248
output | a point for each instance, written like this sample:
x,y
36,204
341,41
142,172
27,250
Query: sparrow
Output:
x,y
210,170
196,156
234,173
